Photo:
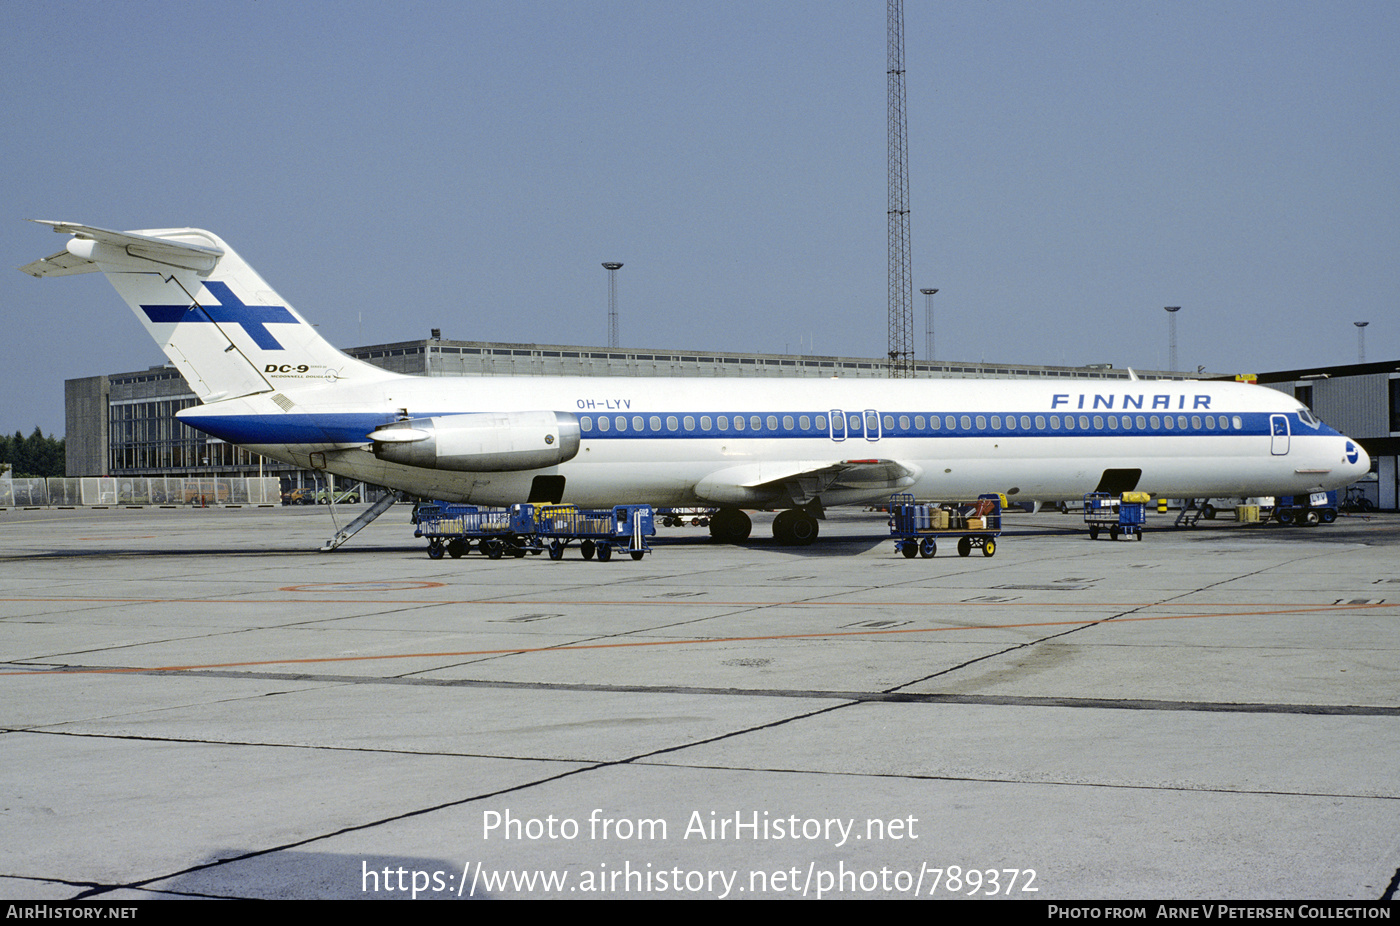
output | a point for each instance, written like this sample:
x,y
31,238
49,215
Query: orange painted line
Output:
x,y
648,643
705,602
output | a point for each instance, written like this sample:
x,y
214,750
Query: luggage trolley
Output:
x,y
598,532
916,527
1122,515
452,529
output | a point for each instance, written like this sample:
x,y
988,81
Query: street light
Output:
x,y
928,323
1171,335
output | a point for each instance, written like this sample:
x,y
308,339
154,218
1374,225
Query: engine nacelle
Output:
x,y
486,442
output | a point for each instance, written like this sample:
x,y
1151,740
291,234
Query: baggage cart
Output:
x,y
1122,516
453,529
598,532
917,527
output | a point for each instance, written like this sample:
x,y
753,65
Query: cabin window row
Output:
x,y
818,423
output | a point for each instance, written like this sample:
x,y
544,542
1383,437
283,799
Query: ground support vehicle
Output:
x,y
1307,510
1123,515
679,517
917,526
598,531
497,532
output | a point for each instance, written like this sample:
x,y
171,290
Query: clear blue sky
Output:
x,y
391,168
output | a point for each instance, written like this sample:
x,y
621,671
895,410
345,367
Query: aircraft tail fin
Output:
x,y
224,328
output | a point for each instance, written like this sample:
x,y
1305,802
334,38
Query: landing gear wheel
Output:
x,y
927,547
587,549
730,525
909,549
456,547
604,552
989,548
794,528
556,550
965,546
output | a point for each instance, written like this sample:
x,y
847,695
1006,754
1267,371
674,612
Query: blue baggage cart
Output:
x,y
1121,518
452,529
916,526
597,531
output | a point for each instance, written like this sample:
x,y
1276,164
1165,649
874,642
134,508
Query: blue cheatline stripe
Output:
x,y
352,428
964,425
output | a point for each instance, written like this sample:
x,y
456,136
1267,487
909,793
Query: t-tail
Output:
x,y
224,328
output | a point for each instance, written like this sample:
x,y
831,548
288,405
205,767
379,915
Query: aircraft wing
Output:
x,y
81,253
799,482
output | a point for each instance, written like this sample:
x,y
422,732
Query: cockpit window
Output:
x,y
1307,417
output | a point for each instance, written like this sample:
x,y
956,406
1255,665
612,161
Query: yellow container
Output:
x,y
1136,497
1247,514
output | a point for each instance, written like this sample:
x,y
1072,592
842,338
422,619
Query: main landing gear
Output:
x,y
794,527
730,525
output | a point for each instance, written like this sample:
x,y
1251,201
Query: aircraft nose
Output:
x,y
1358,461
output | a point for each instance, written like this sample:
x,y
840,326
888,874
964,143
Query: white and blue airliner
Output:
x,y
268,382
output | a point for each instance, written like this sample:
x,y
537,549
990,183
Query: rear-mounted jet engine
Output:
x,y
482,442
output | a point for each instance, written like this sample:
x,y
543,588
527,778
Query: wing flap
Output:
x,y
791,483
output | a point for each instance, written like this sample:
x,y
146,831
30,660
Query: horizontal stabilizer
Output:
x,y
91,244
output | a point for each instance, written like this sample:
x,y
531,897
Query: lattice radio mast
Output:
x,y
901,288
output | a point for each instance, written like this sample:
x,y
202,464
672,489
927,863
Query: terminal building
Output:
x,y
123,424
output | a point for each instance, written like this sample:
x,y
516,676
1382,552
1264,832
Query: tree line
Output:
x,y
35,455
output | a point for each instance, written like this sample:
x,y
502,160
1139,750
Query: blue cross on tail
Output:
x,y
253,319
